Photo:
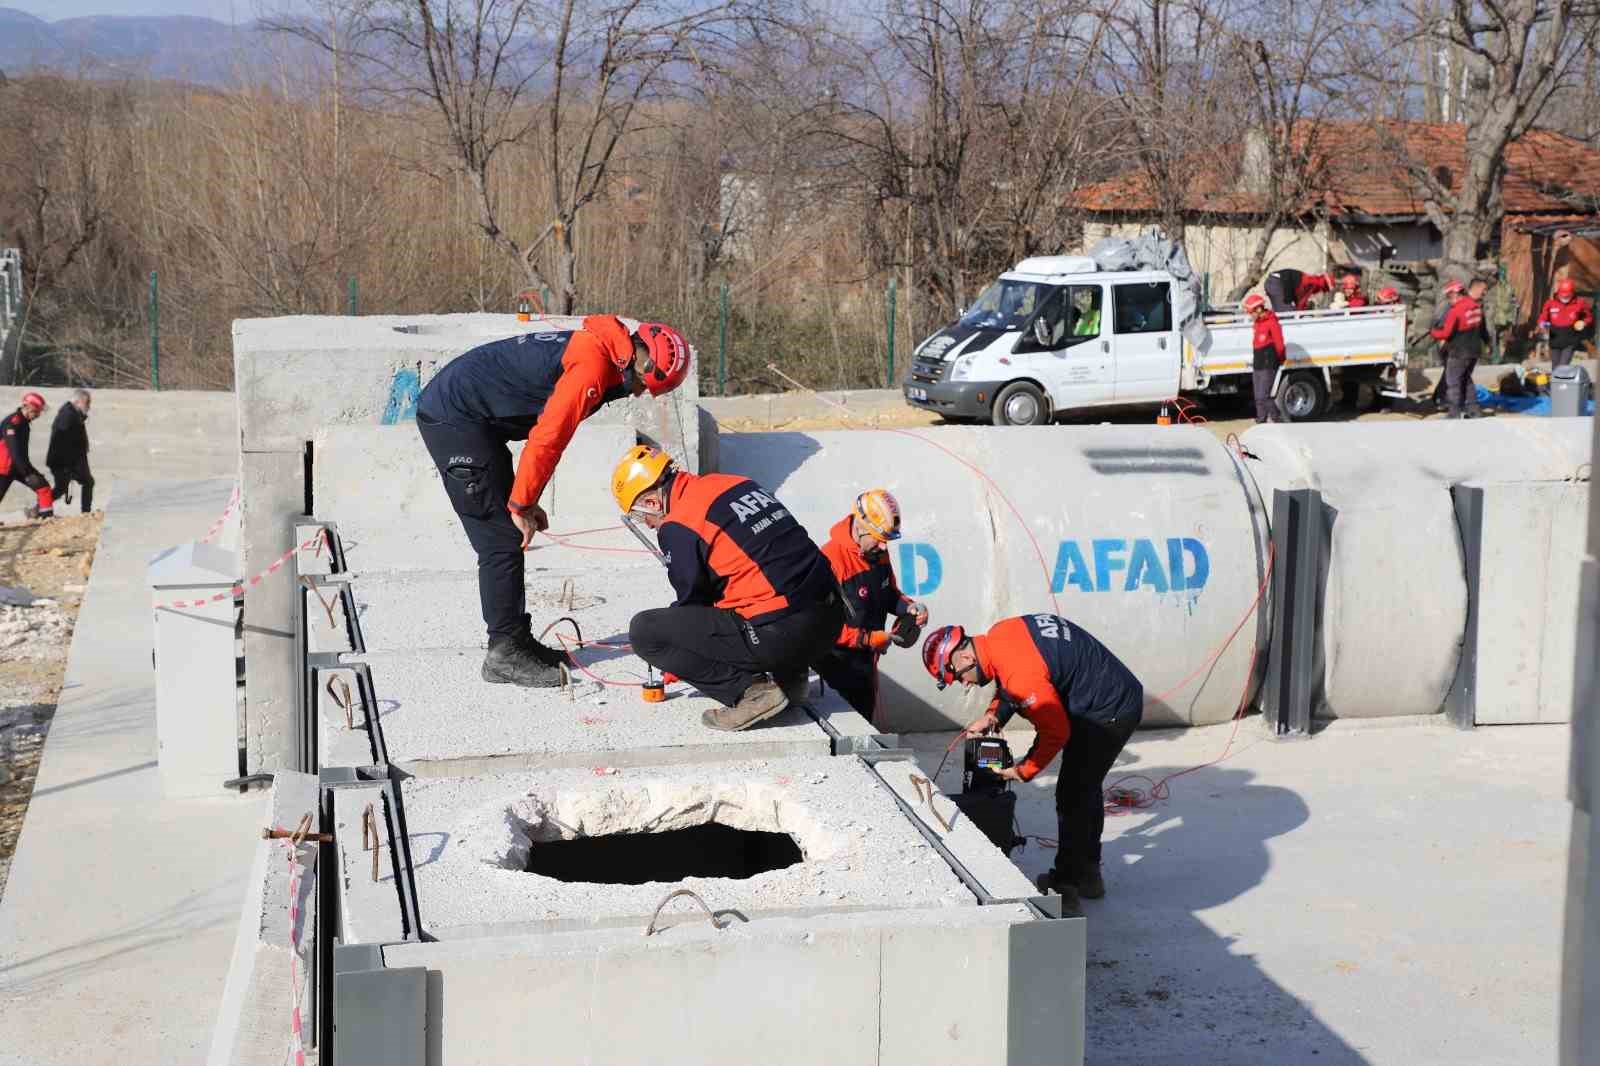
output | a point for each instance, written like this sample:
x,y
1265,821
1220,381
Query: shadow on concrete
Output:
x,y
768,458
96,777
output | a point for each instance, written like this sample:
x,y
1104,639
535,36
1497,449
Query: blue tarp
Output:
x,y
1521,405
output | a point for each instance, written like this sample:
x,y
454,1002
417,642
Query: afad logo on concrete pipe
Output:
x,y
1102,564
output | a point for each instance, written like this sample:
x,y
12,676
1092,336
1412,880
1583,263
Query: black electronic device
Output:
x,y
986,797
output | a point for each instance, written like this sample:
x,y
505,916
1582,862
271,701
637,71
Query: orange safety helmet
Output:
x,y
1388,296
1254,302
668,357
34,400
640,469
1565,289
880,513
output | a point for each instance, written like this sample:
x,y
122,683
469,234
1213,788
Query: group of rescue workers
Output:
x,y
67,456
758,604
1566,320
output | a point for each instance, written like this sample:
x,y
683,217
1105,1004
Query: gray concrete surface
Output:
x,y
1380,894
119,919
136,435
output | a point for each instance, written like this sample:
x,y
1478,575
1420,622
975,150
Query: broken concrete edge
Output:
x,y
253,1019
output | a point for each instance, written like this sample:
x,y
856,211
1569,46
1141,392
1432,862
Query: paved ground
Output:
x,y
118,921
1375,895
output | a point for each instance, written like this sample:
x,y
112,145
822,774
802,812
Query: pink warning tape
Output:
x,y
216,527
297,1039
318,540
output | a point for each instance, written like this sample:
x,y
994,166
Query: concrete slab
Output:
x,y
116,889
478,834
614,998
273,503
439,717
1260,918
369,907
327,628
338,742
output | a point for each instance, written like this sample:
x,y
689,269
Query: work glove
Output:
x,y
877,641
906,630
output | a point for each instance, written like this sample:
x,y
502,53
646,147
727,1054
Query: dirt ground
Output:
x,y
48,564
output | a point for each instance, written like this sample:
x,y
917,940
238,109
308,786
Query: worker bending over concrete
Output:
x,y
1266,343
1566,320
14,462
1464,334
858,551
755,595
1083,702
539,386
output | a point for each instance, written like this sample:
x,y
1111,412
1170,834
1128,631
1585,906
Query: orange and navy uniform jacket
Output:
x,y
1562,319
14,431
729,543
868,588
538,385
1051,671
1463,332
1266,341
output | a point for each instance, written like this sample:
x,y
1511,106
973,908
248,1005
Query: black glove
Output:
x,y
905,631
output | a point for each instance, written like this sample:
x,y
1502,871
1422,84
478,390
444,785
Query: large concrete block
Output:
x,y
1153,540
1532,619
272,499
253,1022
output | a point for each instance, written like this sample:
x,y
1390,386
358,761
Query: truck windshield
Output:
x,y
1006,304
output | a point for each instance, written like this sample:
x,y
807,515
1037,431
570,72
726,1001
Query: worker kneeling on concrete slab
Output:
x,y
538,385
755,595
1083,702
858,552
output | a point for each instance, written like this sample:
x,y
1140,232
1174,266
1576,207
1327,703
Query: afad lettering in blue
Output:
x,y
1118,564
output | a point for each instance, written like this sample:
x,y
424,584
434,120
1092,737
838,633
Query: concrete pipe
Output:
x,y
1151,539
1393,590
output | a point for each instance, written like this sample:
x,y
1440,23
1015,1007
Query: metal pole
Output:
x,y
722,343
155,335
352,301
890,381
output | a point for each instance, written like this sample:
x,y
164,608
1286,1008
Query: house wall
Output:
x,y
1224,251
1411,242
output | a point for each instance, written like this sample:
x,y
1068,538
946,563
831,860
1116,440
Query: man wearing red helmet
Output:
x,y
858,551
538,386
1083,702
1566,320
1388,295
14,462
1350,289
1464,334
1266,343
1452,291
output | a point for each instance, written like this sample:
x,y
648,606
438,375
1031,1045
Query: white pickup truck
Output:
x,y
1055,335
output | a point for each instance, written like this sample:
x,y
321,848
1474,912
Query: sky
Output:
x,y
222,10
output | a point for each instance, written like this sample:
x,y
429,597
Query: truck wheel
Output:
x,y
1020,404
1303,396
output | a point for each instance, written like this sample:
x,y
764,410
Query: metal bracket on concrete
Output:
x,y
869,744
379,1014
1297,539
1461,705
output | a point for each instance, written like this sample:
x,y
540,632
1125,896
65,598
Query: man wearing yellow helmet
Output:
x,y
757,603
858,551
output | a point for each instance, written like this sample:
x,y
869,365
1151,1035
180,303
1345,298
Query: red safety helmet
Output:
x,y
1453,286
1350,281
1565,289
1254,302
33,399
937,648
669,357
1388,296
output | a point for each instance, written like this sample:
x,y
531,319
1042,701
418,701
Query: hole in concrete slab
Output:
x,y
708,850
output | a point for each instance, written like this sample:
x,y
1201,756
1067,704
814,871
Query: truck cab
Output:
x,y
1050,335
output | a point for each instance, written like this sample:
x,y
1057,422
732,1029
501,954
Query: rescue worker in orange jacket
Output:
x,y
15,465
858,551
1266,344
1083,702
757,603
538,386
1464,334
1292,290
1567,319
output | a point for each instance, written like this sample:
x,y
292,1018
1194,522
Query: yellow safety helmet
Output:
x,y
639,471
877,510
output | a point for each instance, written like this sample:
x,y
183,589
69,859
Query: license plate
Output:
x,y
916,393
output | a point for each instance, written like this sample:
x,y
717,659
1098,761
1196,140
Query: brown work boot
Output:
x,y
760,701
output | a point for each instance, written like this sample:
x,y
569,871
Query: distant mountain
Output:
x,y
180,47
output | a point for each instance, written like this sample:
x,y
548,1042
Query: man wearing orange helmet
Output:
x,y
1266,344
14,462
538,386
1083,702
858,551
757,604
1566,320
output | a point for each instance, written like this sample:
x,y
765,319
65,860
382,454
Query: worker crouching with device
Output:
x,y
1083,703
757,604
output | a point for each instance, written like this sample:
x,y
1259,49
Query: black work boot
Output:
x,y
543,652
510,661
1066,888
796,687
1091,883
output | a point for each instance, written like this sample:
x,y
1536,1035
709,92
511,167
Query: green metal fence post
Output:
x,y
890,381
354,291
155,335
722,342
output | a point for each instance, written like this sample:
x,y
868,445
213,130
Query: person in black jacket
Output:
x,y
68,456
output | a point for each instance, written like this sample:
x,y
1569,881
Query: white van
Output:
x,y
1055,334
